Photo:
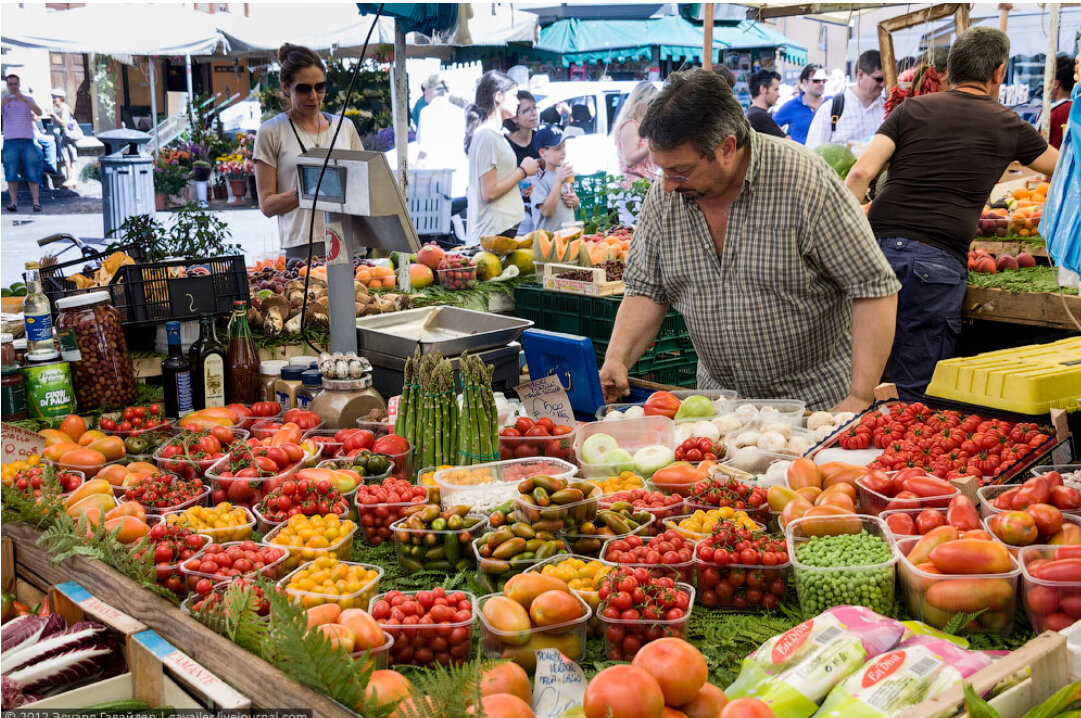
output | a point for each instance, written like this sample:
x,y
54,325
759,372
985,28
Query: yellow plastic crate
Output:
x,y
1025,380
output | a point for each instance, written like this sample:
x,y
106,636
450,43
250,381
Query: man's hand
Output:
x,y
614,381
852,403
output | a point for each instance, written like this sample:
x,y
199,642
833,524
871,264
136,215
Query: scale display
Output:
x,y
333,187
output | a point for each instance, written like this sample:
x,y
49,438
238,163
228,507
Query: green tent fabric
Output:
x,y
577,40
425,18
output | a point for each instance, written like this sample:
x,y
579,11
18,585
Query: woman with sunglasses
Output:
x,y
281,139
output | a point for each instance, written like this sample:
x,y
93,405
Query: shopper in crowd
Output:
x,y
520,131
428,88
795,115
21,153
553,199
439,120
945,151
69,133
281,139
1060,98
765,89
495,202
760,248
936,58
726,74
855,114
631,148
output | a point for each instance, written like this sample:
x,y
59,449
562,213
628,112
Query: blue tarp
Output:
x,y
425,18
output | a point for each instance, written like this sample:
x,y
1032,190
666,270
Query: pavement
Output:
x,y
79,213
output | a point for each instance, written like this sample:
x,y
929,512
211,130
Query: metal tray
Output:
x,y
448,330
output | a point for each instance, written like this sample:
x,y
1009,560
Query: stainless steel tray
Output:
x,y
448,330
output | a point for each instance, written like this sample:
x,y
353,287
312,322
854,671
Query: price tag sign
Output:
x,y
559,684
20,444
546,397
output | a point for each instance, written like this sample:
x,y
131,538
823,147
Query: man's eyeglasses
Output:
x,y
818,82
659,174
304,88
879,79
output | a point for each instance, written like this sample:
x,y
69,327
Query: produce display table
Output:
x,y
1038,309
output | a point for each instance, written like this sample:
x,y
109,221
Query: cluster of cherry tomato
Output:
x,y
163,491
380,505
666,549
218,599
947,443
637,607
717,492
134,420
191,453
253,471
32,480
221,562
343,440
655,502
528,438
428,626
302,497
740,569
1044,489
700,449
303,418
173,544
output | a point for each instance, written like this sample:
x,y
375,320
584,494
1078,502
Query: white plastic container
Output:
x,y
630,434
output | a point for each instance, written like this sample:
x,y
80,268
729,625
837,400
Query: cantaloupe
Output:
x,y
574,246
543,248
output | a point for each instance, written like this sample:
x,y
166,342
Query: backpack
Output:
x,y
837,110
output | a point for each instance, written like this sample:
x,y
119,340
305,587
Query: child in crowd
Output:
x,y
553,200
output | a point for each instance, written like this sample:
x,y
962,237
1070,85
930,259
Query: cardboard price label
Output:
x,y
558,685
20,444
546,397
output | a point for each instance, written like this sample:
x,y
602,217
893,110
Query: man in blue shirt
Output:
x,y
798,112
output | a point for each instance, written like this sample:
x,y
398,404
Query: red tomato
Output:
x,y
662,403
747,708
929,519
1048,518
537,430
623,691
901,524
523,424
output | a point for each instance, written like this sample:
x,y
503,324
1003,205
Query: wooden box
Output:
x,y
598,287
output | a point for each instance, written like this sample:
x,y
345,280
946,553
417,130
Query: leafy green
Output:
x,y
1016,281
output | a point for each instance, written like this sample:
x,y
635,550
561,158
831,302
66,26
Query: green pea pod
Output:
x,y
550,483
409,564
509,548
523,530
541,497
440,524
452,548
567,496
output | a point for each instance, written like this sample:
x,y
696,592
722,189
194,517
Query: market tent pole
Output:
x,y
154,109
187,72
707,38
401,109
1049,70
1004,15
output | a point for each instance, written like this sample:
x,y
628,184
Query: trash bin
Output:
x,y
127,178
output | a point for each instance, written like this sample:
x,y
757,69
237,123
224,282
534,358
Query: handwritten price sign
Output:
x,y
546,397
20,444
559,684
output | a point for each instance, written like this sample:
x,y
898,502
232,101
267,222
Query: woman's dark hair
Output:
x,y
293,59
695,107
484,103
509,124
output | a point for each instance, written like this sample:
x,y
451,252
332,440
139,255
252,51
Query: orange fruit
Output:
x,y
54,436
90,436
74,426
388,282
112,447
54,452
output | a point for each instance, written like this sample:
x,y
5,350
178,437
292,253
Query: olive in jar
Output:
x,y
102,373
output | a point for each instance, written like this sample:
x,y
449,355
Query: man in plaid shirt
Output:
x,y
760,247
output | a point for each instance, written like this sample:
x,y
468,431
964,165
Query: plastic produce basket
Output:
x,y
572,514
874,503
165,573
684,569
630,434
935,598
355,599
592,545
199,500
342,549
740,586
264,428
987,495
1050,605
264,525
553,447
272,571
659,514
485,486
569,637
624,638
189,468
411,641
911,513
1014,548
375,519
822,587
590,597
249,491
337,464
790,411
240,532
732,453
493,574
402,465
432,550
673,524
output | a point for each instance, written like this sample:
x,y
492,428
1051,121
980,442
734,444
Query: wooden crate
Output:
x,y
1037,309
598,287
1047,659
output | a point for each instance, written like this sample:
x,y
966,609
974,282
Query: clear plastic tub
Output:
x,y
250,490
593,544
1014,548
342,549
987,495
271,571
524,447
668,489
591,597
739,586
402,463
380,657
199,500
815,585
630,435
88,472
633,481
673,525
191,468
427,549
1050,605
873,503
936,598
409,640
240,532
188,604
493,574
734,454
486,486
457,278
913,514
759,515
684,569
624,638
1071,473
264,525
327,449
357,599
755,461
336,464
265,428
165,572
604,411
375,519
569,637
572,515
659,514
790,411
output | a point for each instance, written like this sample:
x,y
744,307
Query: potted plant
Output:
x,y
200,171
170,179
220,190
200,176
237,168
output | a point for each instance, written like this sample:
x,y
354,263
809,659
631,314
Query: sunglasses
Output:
x,y
879,79
818,82
304,88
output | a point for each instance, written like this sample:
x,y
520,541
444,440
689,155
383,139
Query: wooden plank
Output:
x,y
1038,309
266,686
7,564
817,8
997,247
889,63
919,17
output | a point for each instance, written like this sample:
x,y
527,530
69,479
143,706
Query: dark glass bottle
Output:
x,y
207,359
241,360
176,375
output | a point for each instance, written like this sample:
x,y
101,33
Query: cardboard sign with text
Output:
x,y
20,444
546,397
559,684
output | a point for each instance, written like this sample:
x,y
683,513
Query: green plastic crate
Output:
x,y
592,191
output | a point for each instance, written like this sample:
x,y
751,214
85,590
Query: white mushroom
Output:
x,y
799,445
748,438
706,430
777,472
771,441
634,412
614,415
768,411
746,411
780,427
823,431
727,423
819,418
683,432
843,417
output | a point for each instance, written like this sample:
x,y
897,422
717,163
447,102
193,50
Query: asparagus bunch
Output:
x,y
428,413
477,441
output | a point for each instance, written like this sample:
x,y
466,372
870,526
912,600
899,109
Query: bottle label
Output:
x,y
213,380
283,400
303,402
39,327
183,392
13,400
69,345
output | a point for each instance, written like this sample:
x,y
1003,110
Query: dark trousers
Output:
x,y
928,312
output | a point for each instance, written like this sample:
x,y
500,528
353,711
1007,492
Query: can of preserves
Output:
x,y
49,391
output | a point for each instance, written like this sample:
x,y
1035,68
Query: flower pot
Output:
x,y
197,191
220,191
161,202
238,187
200,174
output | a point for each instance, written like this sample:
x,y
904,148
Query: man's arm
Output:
x,y
873,321
637,323
1045,163
30,101
867,167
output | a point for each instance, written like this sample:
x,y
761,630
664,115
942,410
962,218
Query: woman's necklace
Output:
x,y
317,132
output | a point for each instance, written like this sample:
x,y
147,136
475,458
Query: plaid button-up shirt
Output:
x,y
771,317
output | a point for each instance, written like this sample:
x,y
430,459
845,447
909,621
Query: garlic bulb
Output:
x,y
819,418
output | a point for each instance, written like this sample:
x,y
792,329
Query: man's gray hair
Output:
x,y
976,54
695,107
